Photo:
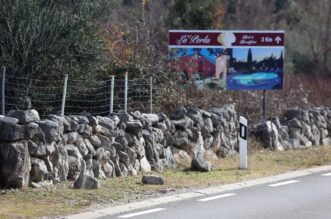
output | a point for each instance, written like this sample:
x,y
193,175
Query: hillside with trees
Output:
x,y
94,39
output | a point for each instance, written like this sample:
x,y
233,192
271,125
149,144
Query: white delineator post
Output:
x,y
243,143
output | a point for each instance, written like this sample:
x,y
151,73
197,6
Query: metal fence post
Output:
x,y
111,107
126,93
151,95
64,94
3,83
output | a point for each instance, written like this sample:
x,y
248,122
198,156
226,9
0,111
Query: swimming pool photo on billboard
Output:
x,y
255,68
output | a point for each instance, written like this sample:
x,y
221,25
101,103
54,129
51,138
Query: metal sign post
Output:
x,y
111,107
3,84
243,143
64,94
264,103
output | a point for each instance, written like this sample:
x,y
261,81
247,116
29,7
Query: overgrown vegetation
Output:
x,y
94,39
54,201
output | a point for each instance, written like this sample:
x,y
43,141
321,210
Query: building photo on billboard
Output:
x,y
205,67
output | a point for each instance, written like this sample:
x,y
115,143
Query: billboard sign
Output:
x,y
236,60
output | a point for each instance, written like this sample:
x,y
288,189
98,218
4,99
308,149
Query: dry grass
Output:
x,y
63,200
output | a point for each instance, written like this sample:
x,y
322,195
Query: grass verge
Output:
x,y
63,200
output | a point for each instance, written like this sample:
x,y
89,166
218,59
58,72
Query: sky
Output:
x,y
258,53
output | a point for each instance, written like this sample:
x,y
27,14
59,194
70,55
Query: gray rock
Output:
x,y
86,181
15,164
70,125
80,119
95,141
197,118
169,139
207,142
294,143
33,131
39,170
142,119
224,151
162,117
305,141
37,149
301,115
157,135
24,117
10,132
180,155
62,121
132,154
205,132
153,180
209,125
50,129
74,168
108,170
80,144
93,121
134,126
102,154
107,123
268,134
41,184
124,169
198,164
181,142
316,136
89,165
60,162
90,147
72,137
73,151
97,170
124,158
295,123
123,117
153,118
123,141
10,120
326,141
162,126
132,171
183,124
85,130
144,165
178,113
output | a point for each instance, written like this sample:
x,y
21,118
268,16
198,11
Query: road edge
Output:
x,y
196,193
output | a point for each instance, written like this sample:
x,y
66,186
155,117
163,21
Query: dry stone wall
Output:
x,y
296,129
84,149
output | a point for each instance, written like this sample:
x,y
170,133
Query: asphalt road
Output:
x,y
301,197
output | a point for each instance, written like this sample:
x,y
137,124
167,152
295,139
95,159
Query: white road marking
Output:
x,y
326,174
142,213
216,197
284,183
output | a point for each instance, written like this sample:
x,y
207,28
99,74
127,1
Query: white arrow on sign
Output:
x,y
278,39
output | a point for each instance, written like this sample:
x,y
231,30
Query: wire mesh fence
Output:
x,y
71,96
